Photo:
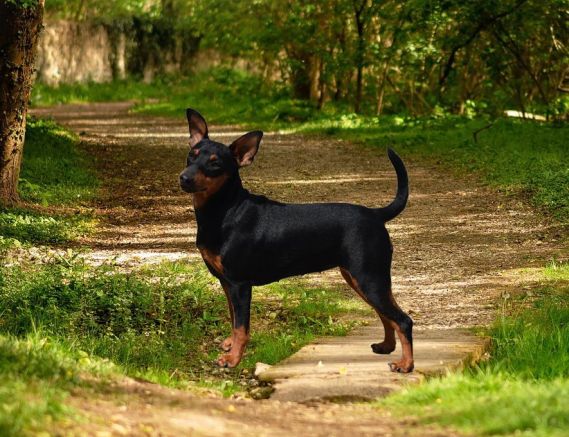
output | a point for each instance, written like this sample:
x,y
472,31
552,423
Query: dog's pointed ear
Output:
x,y
246,147
197,125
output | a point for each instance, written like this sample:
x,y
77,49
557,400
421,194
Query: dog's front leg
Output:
x,y
239,296
228,342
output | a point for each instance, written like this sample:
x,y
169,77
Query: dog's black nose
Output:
x,y
187,183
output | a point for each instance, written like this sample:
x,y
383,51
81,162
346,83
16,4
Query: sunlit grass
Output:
x,y
163,320
55,173
37,372
54,170
523,389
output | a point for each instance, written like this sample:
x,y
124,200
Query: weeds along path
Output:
x,y
458,246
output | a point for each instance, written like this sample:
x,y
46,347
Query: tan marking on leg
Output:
x,y
240,340
388,344
353,283
406,363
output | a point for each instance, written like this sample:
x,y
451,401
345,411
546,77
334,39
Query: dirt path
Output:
x,y
139,409
457,246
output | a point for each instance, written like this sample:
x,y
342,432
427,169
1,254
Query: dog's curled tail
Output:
x,y
398,205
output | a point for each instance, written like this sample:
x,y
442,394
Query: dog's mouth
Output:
x,y
192,189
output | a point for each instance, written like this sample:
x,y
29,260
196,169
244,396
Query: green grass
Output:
x,y
523,389
222,94
525,158
161,323
64,321
37,372
117,91
54,170
20,225
54,173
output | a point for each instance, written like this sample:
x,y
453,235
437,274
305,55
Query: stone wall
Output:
x,y
79,52
70,52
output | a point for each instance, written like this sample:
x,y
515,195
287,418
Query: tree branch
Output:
x,y
481,26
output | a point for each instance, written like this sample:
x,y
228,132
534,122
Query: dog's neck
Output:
x,y
211,214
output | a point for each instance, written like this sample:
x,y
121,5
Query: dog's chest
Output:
x,y
212,259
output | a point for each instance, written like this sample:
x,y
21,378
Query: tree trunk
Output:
x,y
359,82
314,74
300,76
360,52
359,65
20,27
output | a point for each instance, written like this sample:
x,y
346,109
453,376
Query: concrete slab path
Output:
x,y
345,369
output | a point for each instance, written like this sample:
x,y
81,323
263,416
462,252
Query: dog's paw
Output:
x,y
382,348
226,344
403,366
228,360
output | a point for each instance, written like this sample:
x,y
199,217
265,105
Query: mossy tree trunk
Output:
x,y
20,26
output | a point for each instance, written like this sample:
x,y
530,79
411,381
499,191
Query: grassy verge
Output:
x,y
524,387
223,95
162,323
54,173
54,170
522,157
37,372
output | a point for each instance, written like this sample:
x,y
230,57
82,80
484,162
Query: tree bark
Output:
x,y
20,27
360,52
314,75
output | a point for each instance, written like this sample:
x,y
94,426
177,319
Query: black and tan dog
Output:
x,y
248,240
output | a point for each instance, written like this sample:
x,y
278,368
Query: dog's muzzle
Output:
x,y
187,184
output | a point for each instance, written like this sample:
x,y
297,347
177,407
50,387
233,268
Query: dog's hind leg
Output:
x,y
375,289
388,344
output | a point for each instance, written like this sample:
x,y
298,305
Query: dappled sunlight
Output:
x,y
451,243
135,258
338,180
184,135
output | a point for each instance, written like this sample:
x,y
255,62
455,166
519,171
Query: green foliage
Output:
x,y
159,322
414,56
34,227
36,374
118,316
77,9
24,4
523,388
